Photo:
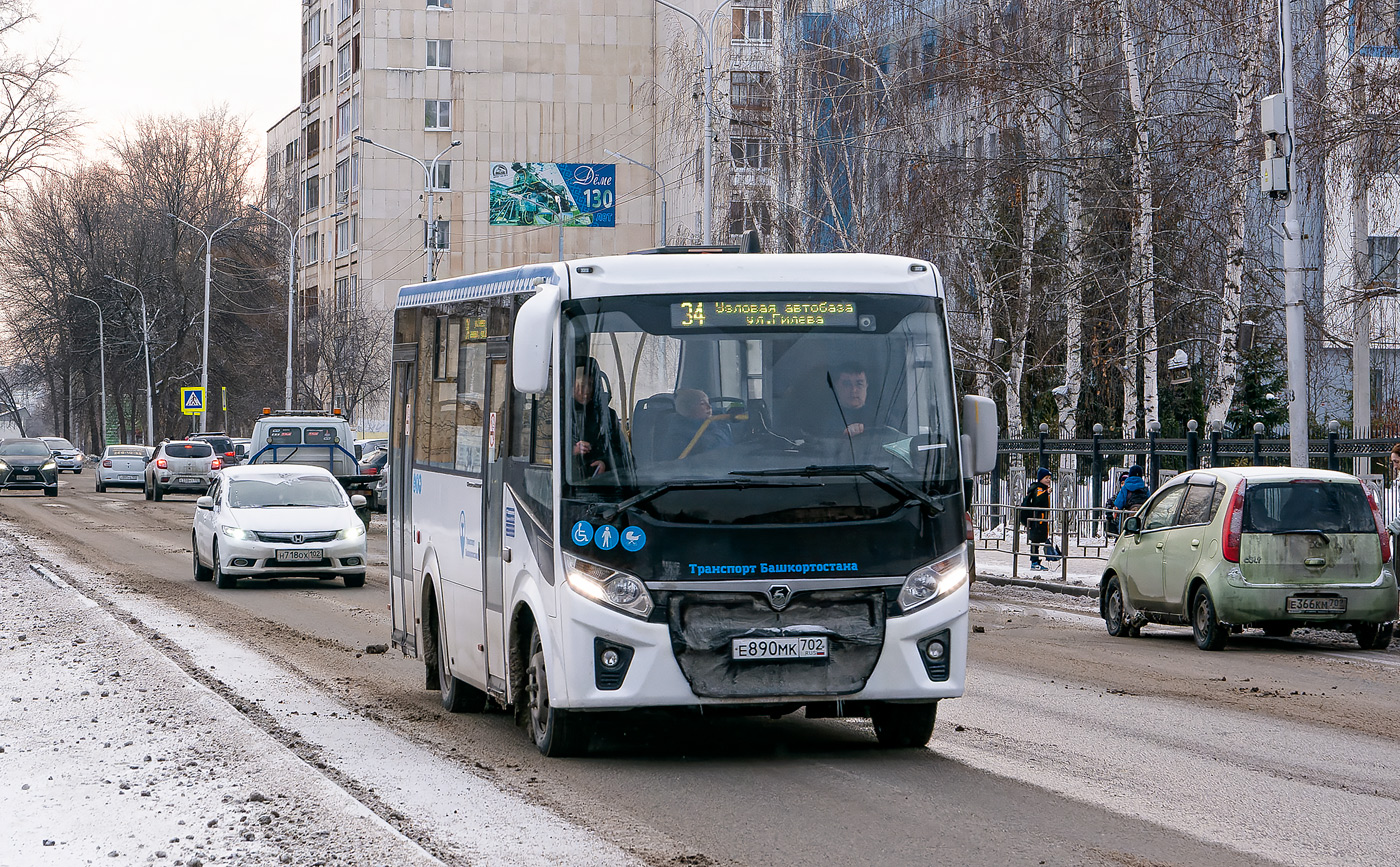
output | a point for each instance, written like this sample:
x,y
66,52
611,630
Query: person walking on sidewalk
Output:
x,y
1132,495
1035,515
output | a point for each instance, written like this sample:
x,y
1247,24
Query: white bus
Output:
x,y
724,481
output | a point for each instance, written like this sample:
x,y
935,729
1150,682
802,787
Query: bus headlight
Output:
x,y
934,580
608,586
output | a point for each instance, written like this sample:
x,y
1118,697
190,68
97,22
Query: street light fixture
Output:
x,y
101,361
291,285
429,170
659,177
145,342
208,264
707,48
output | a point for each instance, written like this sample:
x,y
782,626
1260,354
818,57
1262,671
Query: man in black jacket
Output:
x,y
1036,516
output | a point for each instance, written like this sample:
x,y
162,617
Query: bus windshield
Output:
x,y
782,408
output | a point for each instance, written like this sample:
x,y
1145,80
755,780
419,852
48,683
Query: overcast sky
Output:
x,y
138,57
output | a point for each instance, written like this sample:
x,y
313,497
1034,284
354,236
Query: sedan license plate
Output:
x,y
299,555
1318,604
778,648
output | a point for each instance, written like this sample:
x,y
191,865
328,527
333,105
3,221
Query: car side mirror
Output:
x,y
358,501
1132,525
205,503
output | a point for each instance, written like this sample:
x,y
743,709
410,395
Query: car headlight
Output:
x,y
49,465
3,466
608,586
354,531
237,533
934,580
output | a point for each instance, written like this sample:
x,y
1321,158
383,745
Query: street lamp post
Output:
x,y
146,343
101,361
429,170
208,264
659,177
291,286
707,47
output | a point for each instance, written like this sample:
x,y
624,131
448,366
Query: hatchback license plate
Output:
x,y
779,648
188,480
299,555
1319,604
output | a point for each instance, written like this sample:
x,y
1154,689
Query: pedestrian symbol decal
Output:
x,y
582,533
633,538
606,537
192,400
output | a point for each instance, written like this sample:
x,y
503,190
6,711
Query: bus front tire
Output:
x,y
903,726
558,733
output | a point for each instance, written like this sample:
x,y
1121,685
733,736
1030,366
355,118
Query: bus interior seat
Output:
x,y
649,421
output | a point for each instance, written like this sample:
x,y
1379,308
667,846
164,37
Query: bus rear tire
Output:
x,y
457,695
558,733
902,726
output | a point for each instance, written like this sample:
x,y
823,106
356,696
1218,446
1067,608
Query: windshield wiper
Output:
x,y
881,476
690,485
1303,532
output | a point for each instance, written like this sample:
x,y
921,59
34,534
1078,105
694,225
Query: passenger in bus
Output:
x,y
693,429
597,435
844,410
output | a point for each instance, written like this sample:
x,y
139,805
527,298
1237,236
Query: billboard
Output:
x,y
548,194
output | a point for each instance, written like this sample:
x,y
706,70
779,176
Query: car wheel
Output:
x,y
78,471
1278,630
901,726
558,733
101,488
156,493
457,695
222,580
1114,618
146,489
1374,636
354,580
201,572
1210,634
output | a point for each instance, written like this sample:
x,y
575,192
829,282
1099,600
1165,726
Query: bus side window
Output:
x,y
532,449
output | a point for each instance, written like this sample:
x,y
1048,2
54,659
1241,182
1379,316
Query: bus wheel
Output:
x,y
457,696
557,733
900,726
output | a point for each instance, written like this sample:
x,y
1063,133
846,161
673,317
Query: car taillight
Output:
x,y
107,463
967,522
160,463
1380,527
215,464
1234,525
371,471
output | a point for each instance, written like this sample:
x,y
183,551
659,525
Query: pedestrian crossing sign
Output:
x,y
192,400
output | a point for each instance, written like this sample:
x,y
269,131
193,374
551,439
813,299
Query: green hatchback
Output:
x,y
1271,548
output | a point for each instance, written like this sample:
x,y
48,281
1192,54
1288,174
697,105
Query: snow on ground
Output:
x,y
111,753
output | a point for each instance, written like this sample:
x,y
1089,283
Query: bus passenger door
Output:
x,y
402,601
493,511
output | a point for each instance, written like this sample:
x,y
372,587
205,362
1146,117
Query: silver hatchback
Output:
x,y
180,465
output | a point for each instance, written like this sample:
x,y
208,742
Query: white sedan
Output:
x,y
275,520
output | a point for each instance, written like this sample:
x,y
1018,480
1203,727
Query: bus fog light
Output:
x,y
934,580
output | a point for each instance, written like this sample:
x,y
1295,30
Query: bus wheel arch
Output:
x,y
429,635
522,627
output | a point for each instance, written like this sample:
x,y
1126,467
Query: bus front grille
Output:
x,y
703,626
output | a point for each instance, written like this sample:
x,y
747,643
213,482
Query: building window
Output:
x,y
347,292
313,138
312,254
440,234
752,26
346,7
355,111
355,53
748,215
342,62
438,114
311,31
354,171
1376,27
749,152
440,53
749,90
290,156
442,176
342,121
1384,251
313,193
342,182
342,238
313,83
439,4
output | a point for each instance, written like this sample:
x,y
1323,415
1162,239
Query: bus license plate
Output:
x,y
779,648
1319,604
299,555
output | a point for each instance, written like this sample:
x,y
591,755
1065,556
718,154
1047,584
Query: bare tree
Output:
x,y
35,124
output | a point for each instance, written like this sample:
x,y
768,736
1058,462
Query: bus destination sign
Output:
x,y
832,313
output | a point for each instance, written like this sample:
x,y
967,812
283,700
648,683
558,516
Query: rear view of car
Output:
x,y
122,467
65,454
27,463
223,445
180,466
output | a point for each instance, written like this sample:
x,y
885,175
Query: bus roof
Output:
x,y
692,272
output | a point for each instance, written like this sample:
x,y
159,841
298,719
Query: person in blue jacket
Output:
x,y
1132,495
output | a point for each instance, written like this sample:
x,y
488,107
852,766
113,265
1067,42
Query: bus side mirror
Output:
x,y
979,435
533,341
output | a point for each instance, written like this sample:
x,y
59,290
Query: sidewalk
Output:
x,y
994,567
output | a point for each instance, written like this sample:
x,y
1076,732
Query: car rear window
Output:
x,y
284,436
126,452
188,450
319,436
1332,507
221,445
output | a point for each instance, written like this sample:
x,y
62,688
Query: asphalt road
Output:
x,y
1071,747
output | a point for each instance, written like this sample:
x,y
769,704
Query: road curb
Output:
x,y
1068,589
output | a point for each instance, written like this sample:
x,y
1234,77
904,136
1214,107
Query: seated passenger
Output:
x,y
593,426
842,410
693,429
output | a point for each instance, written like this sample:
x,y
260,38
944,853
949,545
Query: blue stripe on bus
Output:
x,y
475,286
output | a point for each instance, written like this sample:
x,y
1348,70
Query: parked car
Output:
x,y
1271,548
180,465
367,446
272,520
122,467
27,463
376,463
240,448
222,444
65,454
